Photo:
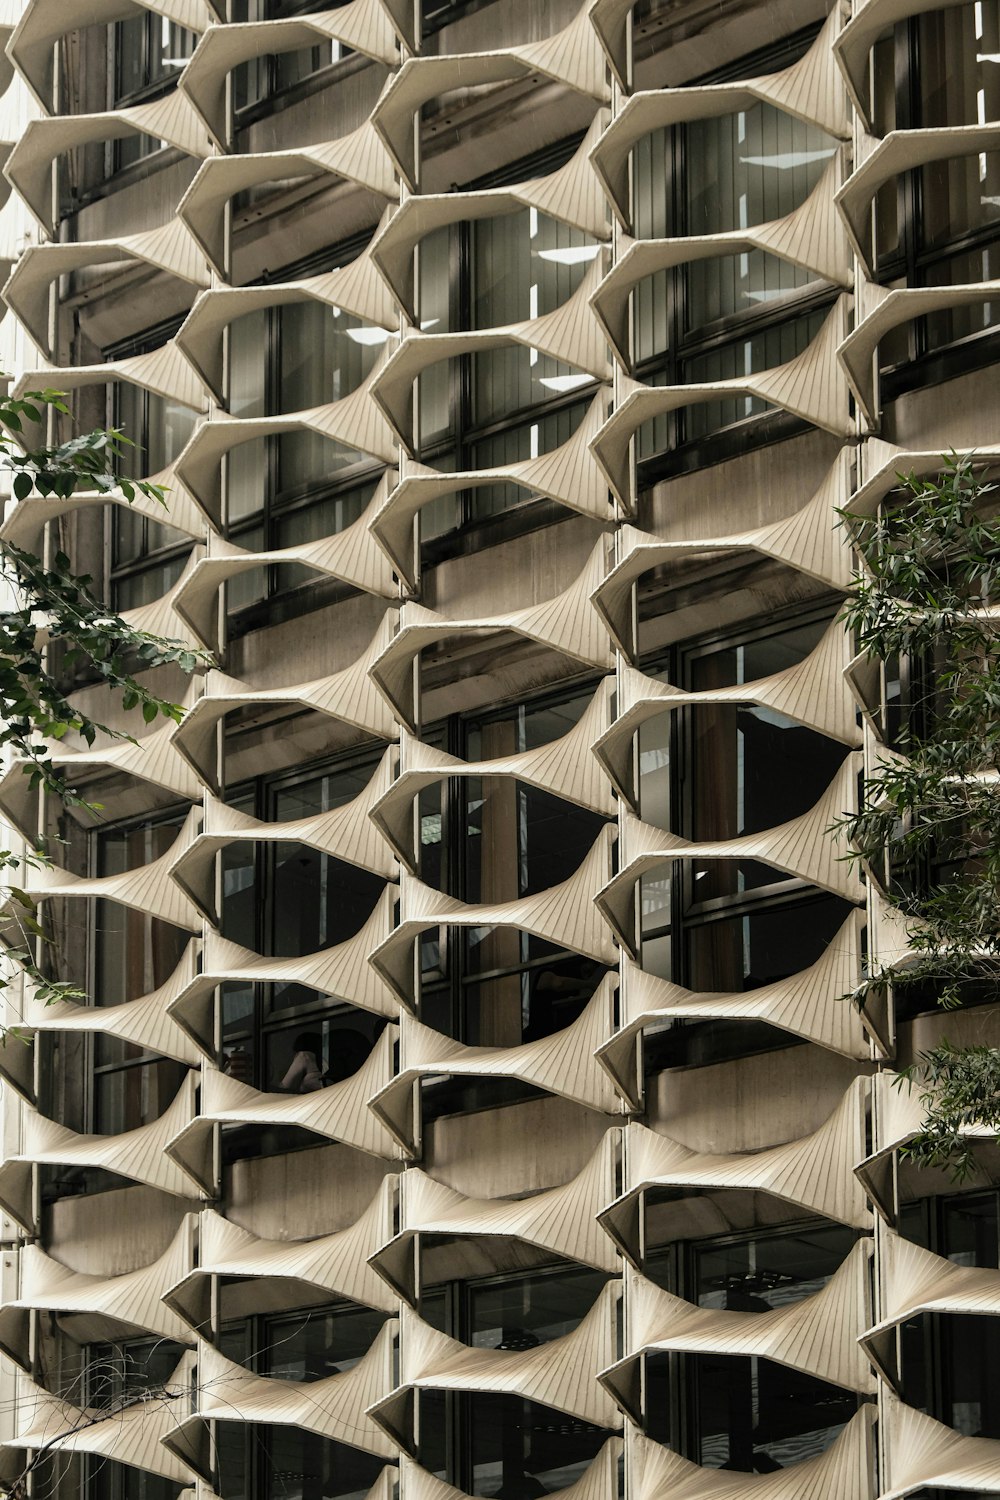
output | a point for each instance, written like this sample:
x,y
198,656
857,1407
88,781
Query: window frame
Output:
x,y
464,433
450,990
925,362
256,1331
678,1274
684,452
927,1217
169,553
263,792
279,504
701,1043
274,94
456,1299
152,88
163,817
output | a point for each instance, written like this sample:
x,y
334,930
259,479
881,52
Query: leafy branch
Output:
x,y
55,632
927,594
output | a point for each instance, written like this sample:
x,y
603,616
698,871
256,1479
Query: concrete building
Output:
x,y
467,1102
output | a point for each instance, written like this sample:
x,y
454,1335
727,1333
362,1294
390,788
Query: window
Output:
x,y
116,1375
296,487
742,1412
102,1084
264,1462
939,225
271,74
133,954
949,1362
501,405
496,1445
285,900
733,315
490,840
147,556
148,53
126,1370
713,773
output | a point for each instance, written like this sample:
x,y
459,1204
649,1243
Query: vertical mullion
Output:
x,y
272,387
460,376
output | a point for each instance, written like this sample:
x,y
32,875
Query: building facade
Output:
x,y
468,1102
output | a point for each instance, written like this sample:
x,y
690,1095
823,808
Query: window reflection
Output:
x,y
750,1414
134,954
949,1362
716,772
297,486
507,1447
493,840
147,555
275,1462
284,901
486,409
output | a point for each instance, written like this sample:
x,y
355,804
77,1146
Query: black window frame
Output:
x,y
172,554
700,1043
259,796
924,1221
447,1305
925,362
683,453
123,154
279,600
464,433
674,1267
164,817
273,93
257,1335
443,1002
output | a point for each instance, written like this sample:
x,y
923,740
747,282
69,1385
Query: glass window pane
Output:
x,y
749,768
134,952
958,84
524,265
128,1097
435,293
317,900
316,1051
519,1450
526,440
314,1345
525,1311
758,948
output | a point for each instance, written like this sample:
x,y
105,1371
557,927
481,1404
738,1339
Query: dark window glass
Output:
x,y
147,556
271,73
299,486
726,316
501,405
287,900
273,1462
108,1480
149,52
503,1446
949,1362
937,225
493,840
523,1312
134,954
750,1414
117,1374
